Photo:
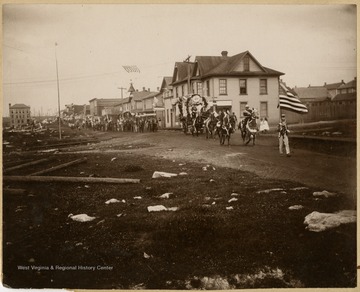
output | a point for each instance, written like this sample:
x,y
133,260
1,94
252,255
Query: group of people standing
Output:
x,y
283,130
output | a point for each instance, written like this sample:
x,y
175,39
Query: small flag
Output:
x,y
131,69
292,103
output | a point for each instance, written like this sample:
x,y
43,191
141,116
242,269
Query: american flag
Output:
x,y
131,69
292,103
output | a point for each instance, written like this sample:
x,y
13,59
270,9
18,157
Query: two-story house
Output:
x,y
230,83
20,115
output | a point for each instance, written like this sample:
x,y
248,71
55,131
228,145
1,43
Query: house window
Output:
x,y
263,109
243,86
177,91
246,63
263,86
182,90
199,88
208,88
242,107
222,87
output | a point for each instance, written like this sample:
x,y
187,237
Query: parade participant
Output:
x,y
247,114
283,136
264,126
233,119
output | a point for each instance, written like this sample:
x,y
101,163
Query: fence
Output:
x,y
324,111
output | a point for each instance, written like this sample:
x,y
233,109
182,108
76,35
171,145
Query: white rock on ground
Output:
x,y
165,196
159,208
325,194
111,201
158,174
296,207
232,200
81,218
318,222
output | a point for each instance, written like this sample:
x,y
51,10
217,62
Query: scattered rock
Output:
x,y
137,198
111,201
232,200
296,207
81,218
318,222
229,208
165,196
325,194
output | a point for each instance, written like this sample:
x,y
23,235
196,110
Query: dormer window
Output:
x,y
246,63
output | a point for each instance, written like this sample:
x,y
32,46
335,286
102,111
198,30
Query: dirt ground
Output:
x,y
231,227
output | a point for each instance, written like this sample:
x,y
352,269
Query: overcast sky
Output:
x,y
311,44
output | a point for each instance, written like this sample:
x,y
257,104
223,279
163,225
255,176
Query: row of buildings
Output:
x,y
227,82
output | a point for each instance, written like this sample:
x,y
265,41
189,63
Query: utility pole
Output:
x,y
121,88
57,78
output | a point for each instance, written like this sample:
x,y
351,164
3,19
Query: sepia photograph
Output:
x,y
175,146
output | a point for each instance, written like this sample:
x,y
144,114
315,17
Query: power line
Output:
x,y
27,52
63,79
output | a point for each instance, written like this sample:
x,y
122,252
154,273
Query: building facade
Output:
x,y
20,115
230,83
98,104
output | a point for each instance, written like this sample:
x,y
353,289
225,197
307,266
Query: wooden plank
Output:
x,y
26,164
15,191
77,161
69,179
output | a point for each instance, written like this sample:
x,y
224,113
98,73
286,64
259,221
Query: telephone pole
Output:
x,y
121,88
58,89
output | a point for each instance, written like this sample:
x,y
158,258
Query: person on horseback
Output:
x,y
247,113
283,136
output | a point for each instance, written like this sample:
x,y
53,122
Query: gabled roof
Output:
x,y
18,106
182,70
151,94
165,84
226,66
345,96
333,85
351,84
140,95
313,93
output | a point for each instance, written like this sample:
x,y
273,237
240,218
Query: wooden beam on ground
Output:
x,y
46,179
15,191
77,161
65,144
26,164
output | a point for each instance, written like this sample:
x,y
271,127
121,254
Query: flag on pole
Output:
x,y
292,103
131,69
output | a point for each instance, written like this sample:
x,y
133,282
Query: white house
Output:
x,y
230,83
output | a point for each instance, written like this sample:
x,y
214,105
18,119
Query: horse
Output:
x,y
197,124
210,125
225,131
249,130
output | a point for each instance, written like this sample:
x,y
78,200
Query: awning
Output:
x,y
223,102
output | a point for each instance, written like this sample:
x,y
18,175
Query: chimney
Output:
x,y
144,89
309,85
149,89
324,83
342,81
224,53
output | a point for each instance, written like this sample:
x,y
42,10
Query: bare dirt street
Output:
x,y
315,169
